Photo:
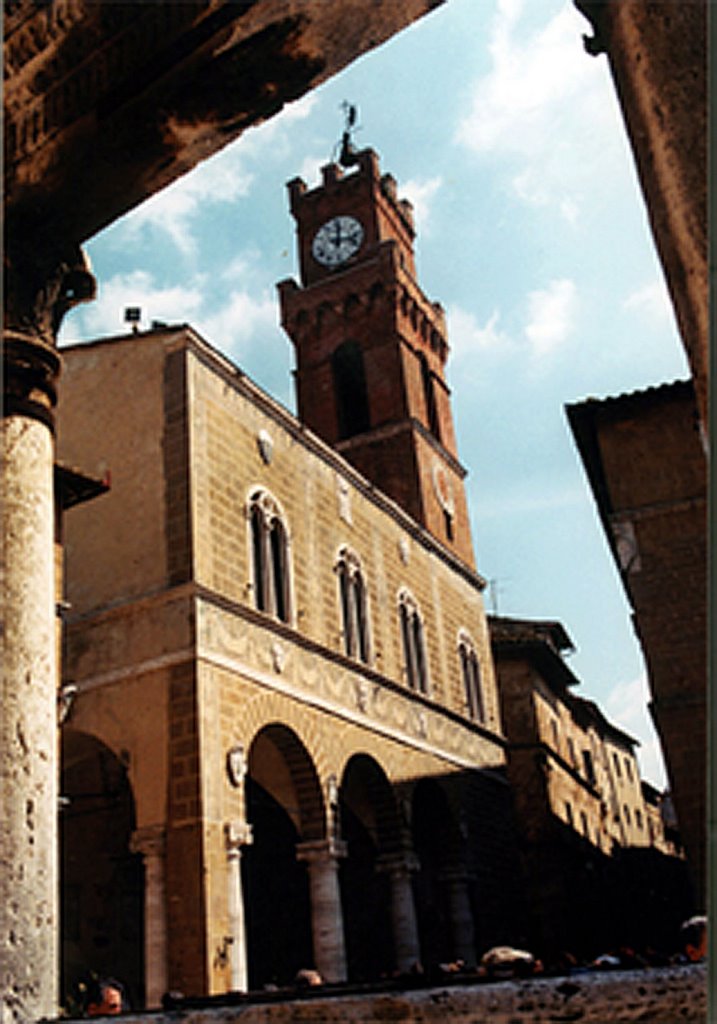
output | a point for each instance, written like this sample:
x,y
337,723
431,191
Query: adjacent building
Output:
x,y
593,846
644,456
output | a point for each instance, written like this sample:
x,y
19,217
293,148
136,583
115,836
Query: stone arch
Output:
x,y
438,843
280,762
285,807
371,829
101,879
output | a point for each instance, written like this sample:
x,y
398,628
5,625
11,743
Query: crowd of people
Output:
x,y
106,996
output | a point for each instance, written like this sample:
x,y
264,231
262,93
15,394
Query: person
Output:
x,y
104,998
693,939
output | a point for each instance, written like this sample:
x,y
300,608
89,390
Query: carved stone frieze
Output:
x,y
307,674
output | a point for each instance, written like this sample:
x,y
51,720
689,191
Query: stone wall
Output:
x,y
675,995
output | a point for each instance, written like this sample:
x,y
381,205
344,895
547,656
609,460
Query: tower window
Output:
x,y
270,558
353,606
350,389
589,768
414,650
470,669
616,763
448,521
429,395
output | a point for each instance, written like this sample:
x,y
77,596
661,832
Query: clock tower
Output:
x,y
371,348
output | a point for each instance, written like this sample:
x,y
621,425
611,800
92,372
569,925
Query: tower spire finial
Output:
x,y
347,155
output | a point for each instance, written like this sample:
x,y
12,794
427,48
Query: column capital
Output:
x,y
405,863
316,851
236,835
30,370
150,841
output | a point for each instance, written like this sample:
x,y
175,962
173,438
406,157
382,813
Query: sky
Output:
x,y
531,232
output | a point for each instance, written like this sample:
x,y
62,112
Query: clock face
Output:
x,y
337,240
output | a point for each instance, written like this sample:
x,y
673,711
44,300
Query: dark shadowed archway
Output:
x,y
370,827
437,843
284,807
101,881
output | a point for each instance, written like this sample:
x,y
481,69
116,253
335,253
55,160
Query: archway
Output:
x,y
284,807
370,828
101,881
436,840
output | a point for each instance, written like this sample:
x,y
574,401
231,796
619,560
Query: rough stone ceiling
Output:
x,y
107,102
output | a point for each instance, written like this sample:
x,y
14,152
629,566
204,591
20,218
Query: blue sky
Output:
x,y
532,233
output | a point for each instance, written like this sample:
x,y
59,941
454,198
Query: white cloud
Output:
x,y
420,194
626,706
467,336
546,108
273,132
549,320
221,179
244,319
551,315
651,301
177,304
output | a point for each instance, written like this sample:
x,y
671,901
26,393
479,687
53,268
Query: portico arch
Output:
x,y
285,808
370,826
101,879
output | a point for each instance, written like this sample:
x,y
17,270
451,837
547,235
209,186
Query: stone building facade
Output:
x,y
598,865
286,747
646,464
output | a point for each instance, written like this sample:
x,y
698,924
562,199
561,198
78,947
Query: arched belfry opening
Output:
x,y
352,408
285,808
370,828
101,880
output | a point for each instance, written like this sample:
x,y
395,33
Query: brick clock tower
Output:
x,y
371,348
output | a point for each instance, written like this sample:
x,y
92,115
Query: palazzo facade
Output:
x,y
285,748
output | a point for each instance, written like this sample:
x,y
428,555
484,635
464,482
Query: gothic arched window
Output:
x,y
350,389
470,669
270,556
353,605
414,649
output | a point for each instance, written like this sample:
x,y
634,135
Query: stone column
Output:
x,y
237,834
407,948
322,858
38,291
151,843
460,915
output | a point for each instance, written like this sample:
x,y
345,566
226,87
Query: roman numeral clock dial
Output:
x,y
336,241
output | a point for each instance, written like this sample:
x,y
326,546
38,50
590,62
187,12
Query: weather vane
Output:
x,y
348,152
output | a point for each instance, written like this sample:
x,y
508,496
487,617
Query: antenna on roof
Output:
x,y
347,154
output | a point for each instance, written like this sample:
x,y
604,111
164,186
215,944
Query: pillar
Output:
x,y
151,843
237,834
460,915
407,948
322,859
37,293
